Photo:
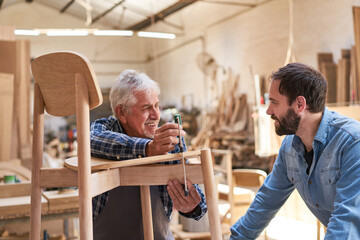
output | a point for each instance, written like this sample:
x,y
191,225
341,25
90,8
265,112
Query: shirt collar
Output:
x,y
321,133
116,125
323,129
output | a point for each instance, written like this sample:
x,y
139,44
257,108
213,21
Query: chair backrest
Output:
x,y
249,178
55,75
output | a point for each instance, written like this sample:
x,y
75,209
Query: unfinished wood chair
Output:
x,y
65,84
240,185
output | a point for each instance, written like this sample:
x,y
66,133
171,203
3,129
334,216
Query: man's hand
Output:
x,y
164,140
181,203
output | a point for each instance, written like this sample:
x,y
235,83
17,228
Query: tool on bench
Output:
x,y
177,119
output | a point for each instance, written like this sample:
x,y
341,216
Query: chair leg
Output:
x,y
84,177
211,194
35,216
38,138
146,212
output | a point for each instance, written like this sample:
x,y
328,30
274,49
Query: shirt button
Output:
x,y
292,179
317,205
309,181
304,162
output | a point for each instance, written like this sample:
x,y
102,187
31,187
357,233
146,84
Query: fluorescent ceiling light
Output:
x,y
26,32
113,33
156,35
67,32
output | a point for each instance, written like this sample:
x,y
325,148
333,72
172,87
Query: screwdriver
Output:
x,y
177,119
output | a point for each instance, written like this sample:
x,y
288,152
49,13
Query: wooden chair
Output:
x,y
65,84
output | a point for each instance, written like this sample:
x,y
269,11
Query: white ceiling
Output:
x,y
125,14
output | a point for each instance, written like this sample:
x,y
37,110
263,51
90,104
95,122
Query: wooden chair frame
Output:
x,y
65,84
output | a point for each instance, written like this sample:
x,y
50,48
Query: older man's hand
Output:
x,y
182,203
164,140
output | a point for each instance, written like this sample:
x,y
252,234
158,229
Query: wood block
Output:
x,y
353,75
62,200
343,81
14,189
356,17
324,57
7,32
6,117
22,91
330,74
345,53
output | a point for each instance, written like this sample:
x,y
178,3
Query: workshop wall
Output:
x,y
256,38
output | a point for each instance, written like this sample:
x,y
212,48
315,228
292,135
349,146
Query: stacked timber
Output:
x,y
230,127
15,84
344,76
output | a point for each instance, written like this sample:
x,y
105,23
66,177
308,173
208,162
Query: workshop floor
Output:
x,y
285,228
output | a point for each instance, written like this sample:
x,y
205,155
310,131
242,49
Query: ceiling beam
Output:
x,y
107,11
67,6
229,3
161,15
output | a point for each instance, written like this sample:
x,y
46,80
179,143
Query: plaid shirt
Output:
x,y
109,141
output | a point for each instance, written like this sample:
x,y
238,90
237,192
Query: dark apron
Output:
x,y
122,218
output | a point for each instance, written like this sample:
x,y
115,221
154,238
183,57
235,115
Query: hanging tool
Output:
x,y
177,119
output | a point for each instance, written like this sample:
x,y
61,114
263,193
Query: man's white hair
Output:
x,y
126,84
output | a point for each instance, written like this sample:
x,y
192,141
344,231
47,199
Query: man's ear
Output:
x,y
120,113
300,103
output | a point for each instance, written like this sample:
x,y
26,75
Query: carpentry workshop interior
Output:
x,y
212,60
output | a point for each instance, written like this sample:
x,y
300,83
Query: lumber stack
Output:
x,y
341,82
344,76
15,81
230,127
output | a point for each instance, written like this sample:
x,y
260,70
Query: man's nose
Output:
x,y
155,113
269,111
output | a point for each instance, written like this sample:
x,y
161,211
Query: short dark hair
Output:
x,y
297,79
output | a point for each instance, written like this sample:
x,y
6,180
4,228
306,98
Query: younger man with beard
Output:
x,y
320,157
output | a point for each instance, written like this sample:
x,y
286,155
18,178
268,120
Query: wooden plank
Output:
x,y
330,75
22,92
6,117
101,164
8,65
356,18
353,75
159,174
14,189
104,181
324,57
62,200
343,81
7,33
58,177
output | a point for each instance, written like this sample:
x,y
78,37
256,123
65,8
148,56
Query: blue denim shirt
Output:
x,y
331,190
